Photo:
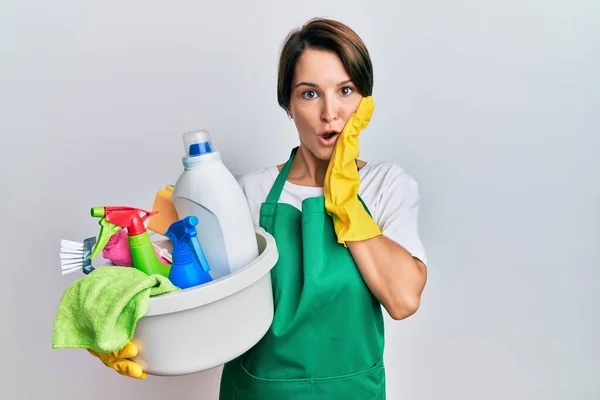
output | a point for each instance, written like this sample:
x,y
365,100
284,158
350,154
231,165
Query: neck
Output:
x,y
307,170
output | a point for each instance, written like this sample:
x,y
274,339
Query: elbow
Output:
x,y
404,307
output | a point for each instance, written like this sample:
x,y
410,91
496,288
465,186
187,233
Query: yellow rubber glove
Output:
x,y
351,220
119,361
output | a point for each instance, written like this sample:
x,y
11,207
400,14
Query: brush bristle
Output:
x,y
71,262
69,244
66,271
71,250
74,255
71,256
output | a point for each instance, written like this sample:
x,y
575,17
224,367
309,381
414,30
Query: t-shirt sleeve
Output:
x,y
399,212
250,182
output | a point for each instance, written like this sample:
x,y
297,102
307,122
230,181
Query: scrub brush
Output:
x,y
75,256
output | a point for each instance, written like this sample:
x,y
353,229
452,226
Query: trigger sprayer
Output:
x,y
189,267
142,253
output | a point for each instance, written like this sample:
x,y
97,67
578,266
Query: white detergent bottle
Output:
x,y
207,190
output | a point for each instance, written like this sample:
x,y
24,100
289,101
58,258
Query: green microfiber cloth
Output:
x,y
100,311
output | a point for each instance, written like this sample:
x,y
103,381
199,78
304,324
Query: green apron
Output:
x,y
327,337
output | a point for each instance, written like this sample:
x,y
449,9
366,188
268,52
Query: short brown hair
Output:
x,y
324,34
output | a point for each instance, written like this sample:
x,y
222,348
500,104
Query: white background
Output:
x,y
492,106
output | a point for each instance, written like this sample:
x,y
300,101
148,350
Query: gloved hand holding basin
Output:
x,y
120,361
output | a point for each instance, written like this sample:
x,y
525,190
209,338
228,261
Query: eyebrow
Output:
x,y
316,86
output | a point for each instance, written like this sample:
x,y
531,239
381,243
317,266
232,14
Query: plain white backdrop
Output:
x,y
493,107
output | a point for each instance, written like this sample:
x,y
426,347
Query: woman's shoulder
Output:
x,y
387,186
257,179
386,174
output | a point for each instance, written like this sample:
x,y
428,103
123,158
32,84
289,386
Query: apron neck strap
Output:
x,y
277,187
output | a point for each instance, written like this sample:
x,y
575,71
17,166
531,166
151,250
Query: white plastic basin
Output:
x,y
200,328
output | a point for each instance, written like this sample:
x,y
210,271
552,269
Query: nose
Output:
x,y
329,112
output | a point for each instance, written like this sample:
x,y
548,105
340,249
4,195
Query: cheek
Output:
x,y
353,104
349,109
305,117
303,126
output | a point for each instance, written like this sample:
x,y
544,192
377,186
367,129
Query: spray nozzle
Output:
x,y
115,218
197,143
184,237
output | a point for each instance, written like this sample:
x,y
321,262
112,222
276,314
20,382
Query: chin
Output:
x,y
323,154
319,152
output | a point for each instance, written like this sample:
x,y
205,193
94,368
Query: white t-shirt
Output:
x,y
391,195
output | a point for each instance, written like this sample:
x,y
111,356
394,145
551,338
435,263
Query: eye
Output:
x,y
309,94
346,91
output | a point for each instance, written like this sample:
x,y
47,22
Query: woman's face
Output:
x,y
322,100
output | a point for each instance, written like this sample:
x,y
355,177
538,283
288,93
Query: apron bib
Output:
x,y
327,337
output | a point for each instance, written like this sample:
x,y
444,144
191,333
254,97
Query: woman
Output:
x,y
346,231
326,340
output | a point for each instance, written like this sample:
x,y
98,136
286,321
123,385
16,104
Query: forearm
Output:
x,y
394,277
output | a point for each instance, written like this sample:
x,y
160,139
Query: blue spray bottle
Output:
x,y
189,267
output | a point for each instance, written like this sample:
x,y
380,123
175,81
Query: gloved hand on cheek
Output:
x,y
351,220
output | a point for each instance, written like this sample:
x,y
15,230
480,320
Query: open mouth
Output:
x,y
328,135
328,138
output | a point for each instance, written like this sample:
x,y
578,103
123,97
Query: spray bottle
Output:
x,y
190,267
142,253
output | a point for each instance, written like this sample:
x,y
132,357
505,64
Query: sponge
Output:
x,y
167,214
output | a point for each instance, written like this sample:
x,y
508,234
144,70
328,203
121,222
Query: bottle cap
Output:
x,y
197,143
